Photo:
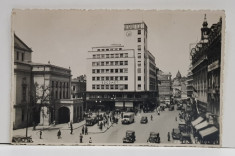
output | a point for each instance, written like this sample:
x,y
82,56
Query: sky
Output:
x,y
64,37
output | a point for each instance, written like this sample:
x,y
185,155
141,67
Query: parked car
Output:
x,y
22,139
154,137
91,121
176,134
186,138
130,137
179,106
144,120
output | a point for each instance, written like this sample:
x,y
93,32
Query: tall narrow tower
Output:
x,y
135,37
204,30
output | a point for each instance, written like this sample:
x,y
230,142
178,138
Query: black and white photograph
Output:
x,y
117,77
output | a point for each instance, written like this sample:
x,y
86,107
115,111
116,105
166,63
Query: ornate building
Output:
x,y
179,86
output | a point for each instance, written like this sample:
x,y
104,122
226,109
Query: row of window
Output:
x,y
18,56
118,55
111,49
110,78
110,63
112,87
59,84
59,94
122,70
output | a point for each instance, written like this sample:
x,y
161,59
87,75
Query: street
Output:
x,y
161,124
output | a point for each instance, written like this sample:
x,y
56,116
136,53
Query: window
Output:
x,y
97,71
102,86
73,96
73,88
116,86
139,78
139,86
126,70
97,86
107,86
17,55
116,55
111,70
121,70
116,70
93,86
139,47
102,63
94,56
98,63
107,55
107,70
22,57
102,70
125,62
120,48
98,56
139,55
107,78
93,70
125,86
103,49
139,39
111,63
111,78
102,55
126,55
121,78
139,63
107,63
98,78
24,93
107,49
102,78
111,87
126,78
112,55
139,32
93,63
98,49
116,63
121,63
116,78
121,55
139,70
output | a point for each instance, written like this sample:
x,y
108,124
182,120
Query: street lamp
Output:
x,y
97,102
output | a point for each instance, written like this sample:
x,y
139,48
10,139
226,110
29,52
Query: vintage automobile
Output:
x,y
130,137
185,138
171,108
128,118
144,120
22,139
176,134
179,106
91,121
154,138
182,125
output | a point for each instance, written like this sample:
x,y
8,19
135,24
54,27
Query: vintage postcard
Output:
x,y
117,77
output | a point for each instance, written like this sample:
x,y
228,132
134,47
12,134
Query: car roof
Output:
x,y
153,132
129,131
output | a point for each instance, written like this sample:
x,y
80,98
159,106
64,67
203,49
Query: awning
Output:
x,y
197,121
208,131
201,125
118,104
128,104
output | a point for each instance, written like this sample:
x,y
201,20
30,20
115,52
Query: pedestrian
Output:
x,y
59,134
71,129
90,141
40,133
81,137
83,130
151,117
86,130
176,118
169,136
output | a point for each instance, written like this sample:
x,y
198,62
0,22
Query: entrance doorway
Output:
x,y
64,115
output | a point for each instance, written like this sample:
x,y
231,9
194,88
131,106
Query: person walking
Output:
x,y
81,137
151,117
86,130
40,133
83,129
169,136
71,129
59,134
90,141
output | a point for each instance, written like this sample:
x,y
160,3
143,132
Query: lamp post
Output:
x,y
97,102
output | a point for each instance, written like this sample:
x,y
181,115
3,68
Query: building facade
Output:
x,y
164,86
206,62
41,91
122,76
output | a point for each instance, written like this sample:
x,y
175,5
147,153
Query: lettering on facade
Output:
x,y
109,82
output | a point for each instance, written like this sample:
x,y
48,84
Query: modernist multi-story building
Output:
x,y
189,84
122,76
206,60
41,91
164,86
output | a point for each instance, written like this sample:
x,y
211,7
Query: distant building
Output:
x,y
78,87
121,76
164,86
189,84
179,86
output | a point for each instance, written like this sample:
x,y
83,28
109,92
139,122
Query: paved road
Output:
x,y
161,124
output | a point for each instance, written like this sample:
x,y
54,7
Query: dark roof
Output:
x,y
19,44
